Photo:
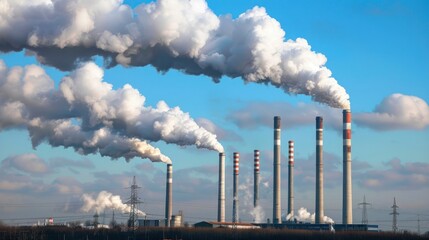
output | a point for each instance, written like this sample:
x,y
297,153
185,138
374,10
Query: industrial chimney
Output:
x,y
169,195
347,167
235,188
256,179
221,195
290,205
277,192
319,171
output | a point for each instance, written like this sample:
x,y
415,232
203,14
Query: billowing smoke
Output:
x,y
169,34
86,114
257,213
105,200
304,216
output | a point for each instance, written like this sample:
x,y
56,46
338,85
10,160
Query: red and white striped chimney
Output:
x,y
256,179
290,182
235,187
347,167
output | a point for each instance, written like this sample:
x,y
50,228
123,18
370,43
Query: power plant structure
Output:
x,y
319,222
277,171
290,205
347,167
256,178
235,187
221,189
320,213
169,195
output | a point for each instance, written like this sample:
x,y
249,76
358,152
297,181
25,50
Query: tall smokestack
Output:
x,y
347,167
319,171
221,197
277,192
169,195
235,187
290,205
256,179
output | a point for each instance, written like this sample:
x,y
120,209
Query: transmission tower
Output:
x,y
395,214
133,202
364,212
418,224
113,221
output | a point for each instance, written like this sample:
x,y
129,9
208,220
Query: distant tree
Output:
x,y
2,223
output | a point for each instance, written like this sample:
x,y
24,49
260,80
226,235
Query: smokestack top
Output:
x,y
256,159
347,116
221,154
277,122
236,163
319,122
291,152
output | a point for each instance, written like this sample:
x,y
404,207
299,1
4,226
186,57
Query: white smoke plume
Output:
x,y
304,216
257,213
169,34
86,114
105,200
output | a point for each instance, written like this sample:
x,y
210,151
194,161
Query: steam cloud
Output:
x,y
305,216
257,213
169,34
397,112
86,114
105,200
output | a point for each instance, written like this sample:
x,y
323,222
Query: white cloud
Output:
x,y
257,114
397,175
396,112
29,163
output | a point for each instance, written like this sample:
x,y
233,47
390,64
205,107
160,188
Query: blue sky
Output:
x,y
373,49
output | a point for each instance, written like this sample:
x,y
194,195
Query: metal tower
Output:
x,y
133,202
113,221
418,224
395,214
364,212
96,219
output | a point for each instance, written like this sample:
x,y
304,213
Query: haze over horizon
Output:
x,y
180,81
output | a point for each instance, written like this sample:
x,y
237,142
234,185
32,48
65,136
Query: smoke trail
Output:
x,y
305,216
257,213
87,115
169,34
105,200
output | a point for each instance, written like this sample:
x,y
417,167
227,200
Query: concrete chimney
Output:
x,y
290,205
235,187
319,172
256,179
169,195
277,169
221,195
347,167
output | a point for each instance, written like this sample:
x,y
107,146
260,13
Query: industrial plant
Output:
x,y
277,222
